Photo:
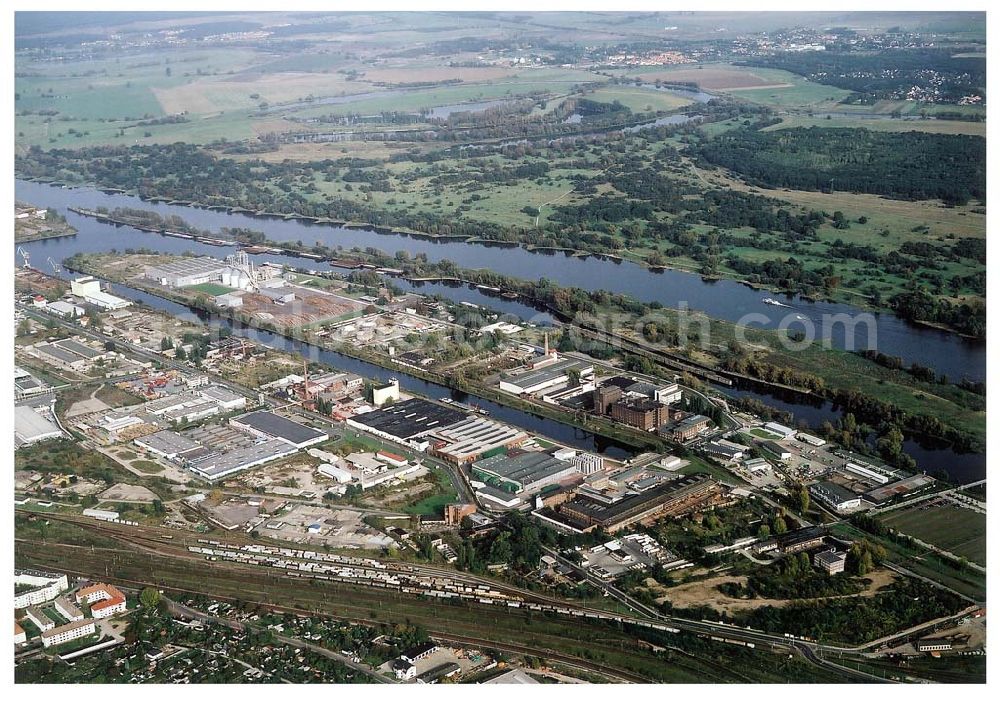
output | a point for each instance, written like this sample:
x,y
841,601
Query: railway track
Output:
x,y
158,541
438,633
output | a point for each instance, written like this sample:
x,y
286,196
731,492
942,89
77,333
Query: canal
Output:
x,y
931,345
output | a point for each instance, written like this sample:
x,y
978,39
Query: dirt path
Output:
x,y
706,593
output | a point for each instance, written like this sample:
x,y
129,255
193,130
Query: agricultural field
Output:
x,y
952,528
766,86
710,76
932,126
639,99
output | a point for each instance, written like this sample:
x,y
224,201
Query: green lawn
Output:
x,y
147,466
960,531
211,288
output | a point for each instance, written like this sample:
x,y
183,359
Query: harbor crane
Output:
x,y
55,266
25,256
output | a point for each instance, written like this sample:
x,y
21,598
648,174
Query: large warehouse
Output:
x,y
408,420
671,499
526,472
543,378
186,272
267,425
472,438
31,427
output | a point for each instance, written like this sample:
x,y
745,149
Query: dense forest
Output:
x,y
906,165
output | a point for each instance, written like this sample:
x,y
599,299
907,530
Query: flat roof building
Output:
x,y
830,561
268,424
186,271
545,377
406,420
212,465
524,472
30,427
473,438
835,496
166,444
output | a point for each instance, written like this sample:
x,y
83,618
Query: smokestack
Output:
x,y
546,344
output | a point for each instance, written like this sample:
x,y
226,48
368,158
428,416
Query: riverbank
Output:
x,y
857,300
640,440
874,394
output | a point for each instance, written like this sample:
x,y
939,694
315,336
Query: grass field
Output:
x,y
923,562
952,528
211,288
711,76
639,99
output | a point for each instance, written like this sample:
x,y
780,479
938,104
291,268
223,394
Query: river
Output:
x,y
725,299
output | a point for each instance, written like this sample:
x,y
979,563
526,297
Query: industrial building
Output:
x,y
525,472
617,512
27,385
474,438
640,412
541,378
30,427
588,463
830,561
213,465
387,392
687,428
186,272
793,542
724,450
777,450
266,424
836,497
89,290
407,421
65,309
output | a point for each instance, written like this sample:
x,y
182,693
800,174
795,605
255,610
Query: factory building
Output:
x,y
212,465
640,412
407,421
687,428
588,463
835,496
525,472
187,272
89,290
30,427
473,438
265,424
541,378
615,513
